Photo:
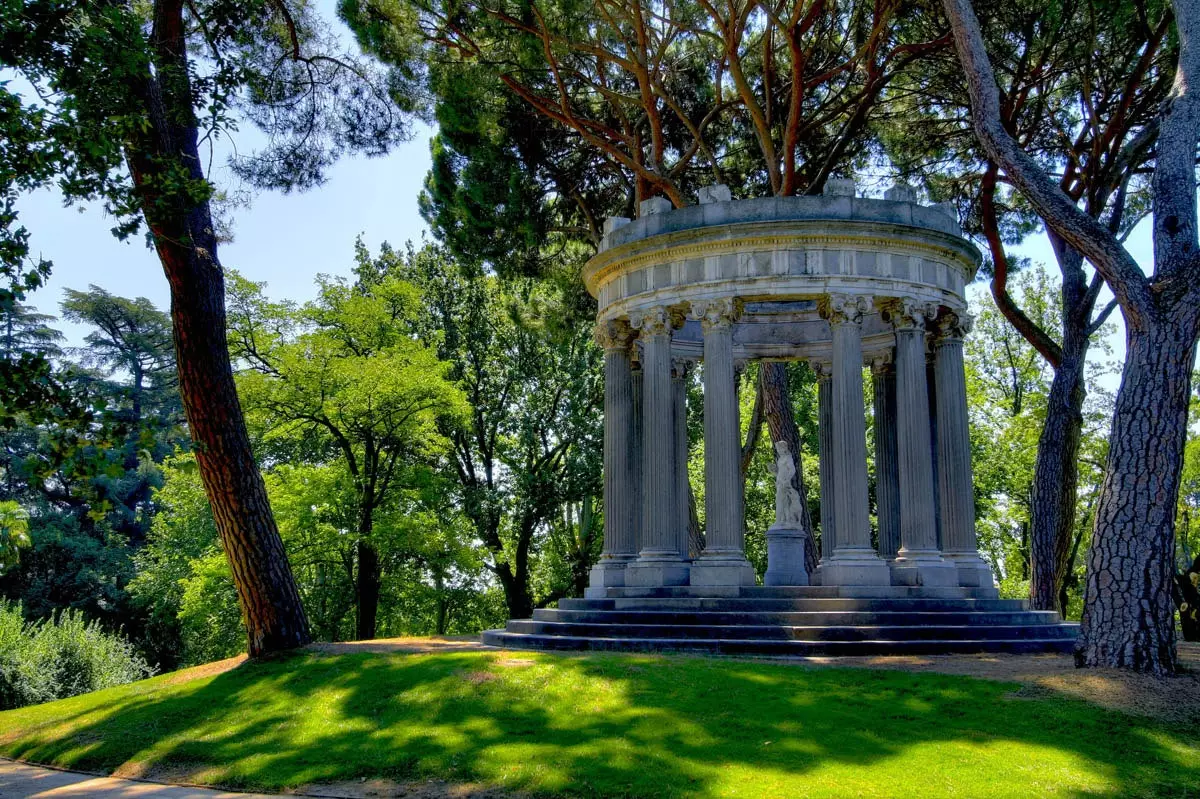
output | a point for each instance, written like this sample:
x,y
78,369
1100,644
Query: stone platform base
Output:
x,y
810,620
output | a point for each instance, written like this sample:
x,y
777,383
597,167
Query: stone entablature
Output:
x,y
839,281
781,252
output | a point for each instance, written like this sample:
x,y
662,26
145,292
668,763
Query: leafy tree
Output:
x,y
341,379
1129,616
622,102
1010,387
530,443
122,96
1081,87
14,532
1187,575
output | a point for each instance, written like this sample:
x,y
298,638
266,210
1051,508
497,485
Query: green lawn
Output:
x,y
610,725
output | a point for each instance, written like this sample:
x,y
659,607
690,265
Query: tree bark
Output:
x,y
1055,479
781,422
1129,615
367,589
184,237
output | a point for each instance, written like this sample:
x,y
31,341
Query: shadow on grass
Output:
x,y
609,725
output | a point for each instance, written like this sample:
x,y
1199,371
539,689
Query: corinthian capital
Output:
x,y
613,334
841,309
954,325
907,313
719,314
657,320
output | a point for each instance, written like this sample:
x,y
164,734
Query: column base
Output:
x,y
923,567
608,573
785,557
855,567
721,568
654,573
973,571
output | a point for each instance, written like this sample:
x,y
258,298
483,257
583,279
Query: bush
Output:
x,y
59,657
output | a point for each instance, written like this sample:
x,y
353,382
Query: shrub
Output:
x,y
62,656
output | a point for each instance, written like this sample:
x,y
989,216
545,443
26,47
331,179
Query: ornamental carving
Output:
x,y
659,320
841,309
954,325
718,314
907,313
822,369
613,334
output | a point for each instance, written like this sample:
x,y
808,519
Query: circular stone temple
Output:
x,y
840,282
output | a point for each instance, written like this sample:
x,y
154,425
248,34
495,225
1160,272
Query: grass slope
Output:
x,y
609,725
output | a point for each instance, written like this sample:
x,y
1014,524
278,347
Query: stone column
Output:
x,y
723,561
679,372
918,562
636,445
658,562
955,482
824,373
887,475
854,560
620,545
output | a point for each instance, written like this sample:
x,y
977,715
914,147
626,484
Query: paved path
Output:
x,y
19,781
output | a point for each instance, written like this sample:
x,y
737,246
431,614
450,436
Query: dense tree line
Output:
x,y
1078,118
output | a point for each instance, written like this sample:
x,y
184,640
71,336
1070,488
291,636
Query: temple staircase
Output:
x,y
796,621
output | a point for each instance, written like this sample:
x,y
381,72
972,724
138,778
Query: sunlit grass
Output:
x,y
608,725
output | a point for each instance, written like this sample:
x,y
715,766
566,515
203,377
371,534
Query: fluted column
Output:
x,y
636,446
620,508
955,482
614,336
918,561
723,561
824,373
887,477
854,561
679,372
659,562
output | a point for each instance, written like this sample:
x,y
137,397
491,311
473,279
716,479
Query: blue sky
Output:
x,y
285,240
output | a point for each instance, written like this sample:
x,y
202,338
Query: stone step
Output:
x,y
785,633
795,592
741,646
849,618
749,605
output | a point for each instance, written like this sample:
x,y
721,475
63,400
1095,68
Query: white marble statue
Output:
x,y
788,508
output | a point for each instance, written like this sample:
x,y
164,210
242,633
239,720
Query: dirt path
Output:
x,y
22,781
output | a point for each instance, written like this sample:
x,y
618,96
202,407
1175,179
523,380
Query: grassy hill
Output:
x,y
607,725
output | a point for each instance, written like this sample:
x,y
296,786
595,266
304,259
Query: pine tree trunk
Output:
x,y
270,602
1128,614
781,422
1055,479
185,239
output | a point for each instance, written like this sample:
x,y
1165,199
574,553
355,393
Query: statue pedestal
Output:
x,y
785,556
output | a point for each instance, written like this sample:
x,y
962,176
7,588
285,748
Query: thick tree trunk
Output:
x,y
1055,478
270,602
184,237
781,422
1128,614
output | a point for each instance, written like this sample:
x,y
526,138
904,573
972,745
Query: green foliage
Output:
x,y
14,533
530,446
1007,387
60,657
